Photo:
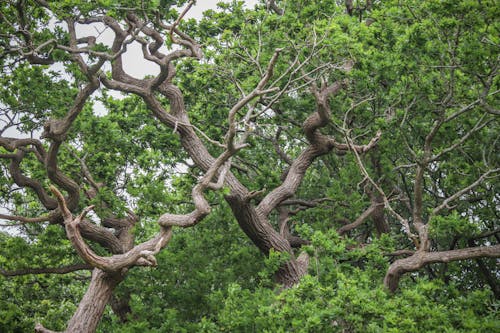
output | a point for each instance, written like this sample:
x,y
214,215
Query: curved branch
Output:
x,y
23,219
142,254
21,180
202,207
362,218
421,258
292,181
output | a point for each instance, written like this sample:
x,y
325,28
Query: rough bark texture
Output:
x,y
263,235
91,307
253,218
422,258
89,312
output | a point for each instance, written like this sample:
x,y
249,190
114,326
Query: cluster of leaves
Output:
x,y
38,300
211,278
227,289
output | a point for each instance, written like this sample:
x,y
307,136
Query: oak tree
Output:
x,y
364,131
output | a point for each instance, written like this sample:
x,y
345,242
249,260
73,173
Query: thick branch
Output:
x,y
142,254
22,181
422,258
292,181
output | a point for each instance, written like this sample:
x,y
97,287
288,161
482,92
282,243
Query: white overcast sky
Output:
x,y
202,5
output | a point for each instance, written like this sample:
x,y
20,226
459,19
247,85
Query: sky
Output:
x,y
202,5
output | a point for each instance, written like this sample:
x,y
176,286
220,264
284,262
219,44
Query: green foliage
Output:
x,y
50,299
448,226
356,303
415,63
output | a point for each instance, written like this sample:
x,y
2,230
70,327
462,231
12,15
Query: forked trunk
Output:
x,y
263,235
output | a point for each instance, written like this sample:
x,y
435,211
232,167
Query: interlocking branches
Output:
x,y
142,254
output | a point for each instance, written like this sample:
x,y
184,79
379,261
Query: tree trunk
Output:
x,y
263,235
91,307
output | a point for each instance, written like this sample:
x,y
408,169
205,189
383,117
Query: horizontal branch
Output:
x,y
46,270
305,203
24,220
400,253
422,258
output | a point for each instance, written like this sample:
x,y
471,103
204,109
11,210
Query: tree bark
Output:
x,y
91,307
263,235
422,258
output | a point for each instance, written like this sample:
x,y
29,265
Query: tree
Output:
x,y
327,115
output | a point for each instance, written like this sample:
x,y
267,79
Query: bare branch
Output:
x,y
400,253
305,203
422,258
202,208
258,91
455,196
362,218
176,23
46,270
23,220
404,222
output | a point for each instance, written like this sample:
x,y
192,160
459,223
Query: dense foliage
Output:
x,y
393,198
